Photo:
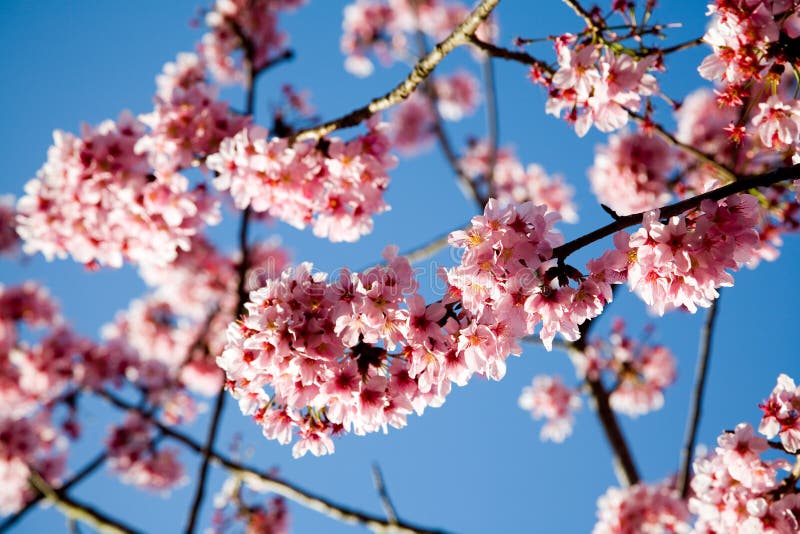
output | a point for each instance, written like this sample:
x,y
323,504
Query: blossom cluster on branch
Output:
x,y
311,356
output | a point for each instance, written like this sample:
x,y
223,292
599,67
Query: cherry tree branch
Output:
x,y
492,121
625,221
582,13
418,75
527,59
468,187
721,169
84,472
383,494
624,465
77,510
696,405
241,293
276,485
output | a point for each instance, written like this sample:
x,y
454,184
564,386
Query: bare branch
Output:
x,y
87,470
383,494
78,511
695,409
241,293
278,486
492,121
624,465
582,13
418,74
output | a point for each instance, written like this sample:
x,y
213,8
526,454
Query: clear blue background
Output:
x,y
476,464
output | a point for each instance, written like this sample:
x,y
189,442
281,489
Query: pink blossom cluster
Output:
x,y
170,348
631,173
735,490
132,453
680,263
233,505
8,234
27,445
383,28
499,280
362,352
95,199
550,399
703,124
413,123
32,373
782,414
324,350
745,37
751,52
188,122
254,21
507,274
595,85
640,372
642,508
457,95
335,186
514,183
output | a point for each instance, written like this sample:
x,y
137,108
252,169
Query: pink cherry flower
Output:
x,y
550,399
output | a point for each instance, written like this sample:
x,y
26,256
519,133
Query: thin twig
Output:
x,y
511,55
695,408
418,74
468,186
492,122
78,511
681,46
727,174
582,13
278,486
383,494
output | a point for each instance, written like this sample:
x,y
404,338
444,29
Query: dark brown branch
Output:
x,y
383,494
241,292
681,46
624,465
77,510
695,408
626,221
527,59
278,486
468,186
512,55
418,75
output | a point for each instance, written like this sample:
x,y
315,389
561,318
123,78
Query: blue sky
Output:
x,y
476,464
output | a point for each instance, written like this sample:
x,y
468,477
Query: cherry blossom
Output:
x,y
95,200
655,508
336,189
631,173
549,398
